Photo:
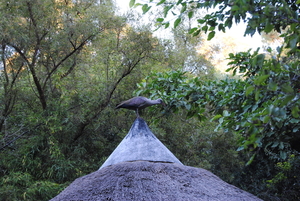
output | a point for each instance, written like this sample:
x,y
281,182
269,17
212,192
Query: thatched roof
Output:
x,y
142,168
144,180
140,144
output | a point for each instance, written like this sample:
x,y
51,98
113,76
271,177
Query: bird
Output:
x,y
138,103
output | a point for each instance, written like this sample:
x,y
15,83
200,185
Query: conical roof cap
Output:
x,y
140,144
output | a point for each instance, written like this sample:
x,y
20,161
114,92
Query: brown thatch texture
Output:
x,y
144,180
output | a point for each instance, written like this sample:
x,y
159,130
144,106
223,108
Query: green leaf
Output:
x,y
201,21
275,111
197,32
293,41
221,28
281,145
179,2
283,155
190,14
257,93
249,90
287,99
183,9
161,2
190,114
286,87
216,117
137,93
251,160
260,59
167,25
272,86
269,27
211,35
260,79
145,8
211,28
235,8
269,49
295,111
187,106
192,30
204,28
167,9
266,119
160,19
240,148
221,120
270,109
226,113
177,21
275,144
131,3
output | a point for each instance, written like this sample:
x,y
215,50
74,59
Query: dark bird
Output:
x,y
138,103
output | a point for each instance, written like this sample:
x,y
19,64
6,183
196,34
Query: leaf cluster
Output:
x,y
259,16
262,108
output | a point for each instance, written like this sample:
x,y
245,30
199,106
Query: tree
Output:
x,y
41,25
186,52
124,53
63,65
42,42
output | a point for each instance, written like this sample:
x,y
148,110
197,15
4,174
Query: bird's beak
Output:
x,y
163,104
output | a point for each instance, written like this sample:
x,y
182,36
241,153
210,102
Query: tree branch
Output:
x,y
77,49
104,104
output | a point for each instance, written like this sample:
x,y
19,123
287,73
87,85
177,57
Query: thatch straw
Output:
x,y
144,180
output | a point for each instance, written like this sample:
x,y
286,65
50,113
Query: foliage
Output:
x,y
274,87
63,65
21,186
287,176
262,109
186,52
260,16
196,143
259,107
262,106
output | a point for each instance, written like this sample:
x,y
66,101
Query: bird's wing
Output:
x,y
138,102
132,103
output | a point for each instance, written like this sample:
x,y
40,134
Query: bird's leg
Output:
x,y
137,112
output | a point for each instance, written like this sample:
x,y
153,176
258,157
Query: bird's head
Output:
x,y
161,102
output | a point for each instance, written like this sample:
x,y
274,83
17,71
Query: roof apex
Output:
x,y
140,144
